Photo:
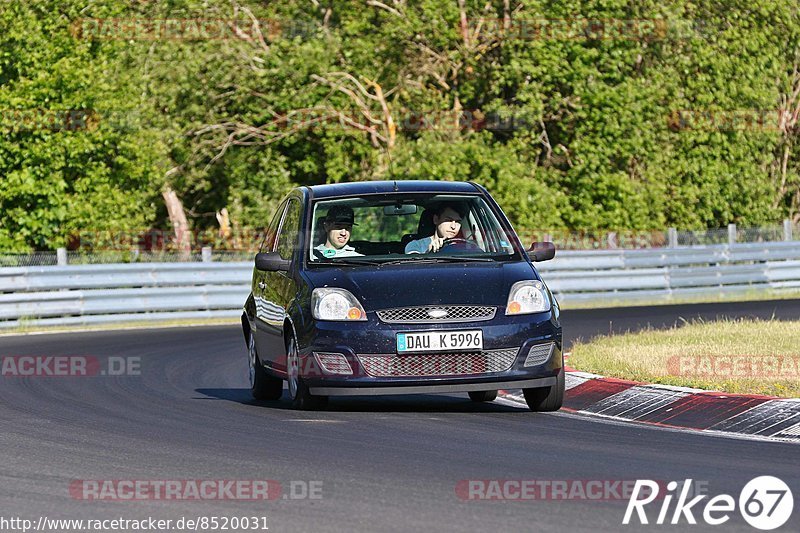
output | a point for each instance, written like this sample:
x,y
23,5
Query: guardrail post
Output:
x,y
206,254
787,230
731,234
61,256
672,237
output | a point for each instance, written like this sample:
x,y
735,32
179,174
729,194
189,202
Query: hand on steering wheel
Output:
x,y
454,241
436,244
461,243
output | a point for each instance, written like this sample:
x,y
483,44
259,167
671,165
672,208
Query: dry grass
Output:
x,y
739,356
757,295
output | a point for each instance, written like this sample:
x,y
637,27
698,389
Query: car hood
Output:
x,y
388,286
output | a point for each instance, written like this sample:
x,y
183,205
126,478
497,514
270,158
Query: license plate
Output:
x,y
439,341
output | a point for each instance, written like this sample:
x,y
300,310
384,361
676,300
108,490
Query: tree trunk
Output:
x,y
179,223
462,9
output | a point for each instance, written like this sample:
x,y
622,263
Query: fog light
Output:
x,y
334,363
539,353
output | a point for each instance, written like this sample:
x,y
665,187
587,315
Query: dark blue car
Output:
x,y
400,287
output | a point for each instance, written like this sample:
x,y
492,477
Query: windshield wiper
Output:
x,y
410,259
460,258
418,258
344,262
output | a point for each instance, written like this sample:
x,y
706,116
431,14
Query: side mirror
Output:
x,y
542,251
271,262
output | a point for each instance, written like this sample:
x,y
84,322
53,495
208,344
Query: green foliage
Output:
x,y
60,169
586,138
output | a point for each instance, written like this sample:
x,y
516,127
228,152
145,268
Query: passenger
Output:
x,y
447,224
338,224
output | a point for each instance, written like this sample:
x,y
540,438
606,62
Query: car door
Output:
x,y
265,319
277,289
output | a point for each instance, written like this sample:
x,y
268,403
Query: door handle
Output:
x,y
262,285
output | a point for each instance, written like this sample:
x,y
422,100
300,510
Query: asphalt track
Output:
x,y
384,464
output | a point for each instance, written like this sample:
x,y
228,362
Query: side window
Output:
x,y
290,230
272,231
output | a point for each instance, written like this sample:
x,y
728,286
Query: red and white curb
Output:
x,y
681,407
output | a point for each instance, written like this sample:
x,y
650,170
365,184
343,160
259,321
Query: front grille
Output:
x,y
439,364
421,314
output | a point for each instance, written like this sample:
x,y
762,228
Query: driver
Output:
x,y
447,223
338,224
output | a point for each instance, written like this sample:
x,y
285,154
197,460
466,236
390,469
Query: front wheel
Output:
x,y
298,391
262,385
545,399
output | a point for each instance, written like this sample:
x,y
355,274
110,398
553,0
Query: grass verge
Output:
x,y
737,356
756,295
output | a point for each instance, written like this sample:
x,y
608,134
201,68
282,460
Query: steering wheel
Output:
x,y
460,244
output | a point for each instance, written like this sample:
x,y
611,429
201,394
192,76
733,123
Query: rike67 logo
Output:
x,y
765,503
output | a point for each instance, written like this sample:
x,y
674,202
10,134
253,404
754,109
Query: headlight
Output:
x,y
336,304
527,297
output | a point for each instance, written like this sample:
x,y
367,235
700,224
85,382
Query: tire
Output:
x,y
483,395
298,391
262,385
544,399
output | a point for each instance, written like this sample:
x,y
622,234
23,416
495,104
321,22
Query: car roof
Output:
x,y
381,187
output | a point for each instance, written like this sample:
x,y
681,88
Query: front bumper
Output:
x,y
373,338
431,389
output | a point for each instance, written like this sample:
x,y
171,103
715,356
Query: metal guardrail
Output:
x,y
664,273
95,294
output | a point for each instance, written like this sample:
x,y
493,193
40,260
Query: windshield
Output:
x,y
406,228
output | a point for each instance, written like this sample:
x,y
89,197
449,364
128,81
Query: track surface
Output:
x,y
385,464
